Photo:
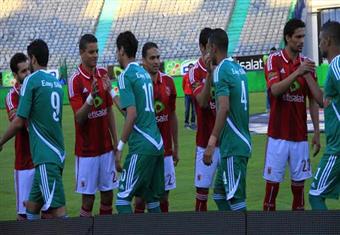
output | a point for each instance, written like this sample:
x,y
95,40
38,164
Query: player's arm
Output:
x,y
112,127
314,89
13,129
280,87
174,135
221,116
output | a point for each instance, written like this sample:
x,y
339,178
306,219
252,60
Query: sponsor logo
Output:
x,y
162,118
96,114
272,75
85,90
212,105
282,71
251,62
293,98
159,106
295,86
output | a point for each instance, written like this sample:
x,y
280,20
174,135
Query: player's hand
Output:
x,y
306,66
175,157
207,156
107,83
94,87
316,144
118,158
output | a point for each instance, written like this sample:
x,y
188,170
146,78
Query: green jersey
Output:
x,y
332,108
136,89
230,80
41,98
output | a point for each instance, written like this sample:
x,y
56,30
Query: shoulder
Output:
x,y
335,67
166,78
11,95
29,80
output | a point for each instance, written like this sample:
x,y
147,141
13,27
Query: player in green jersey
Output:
x,y
143,171
40,104
326,183
231,125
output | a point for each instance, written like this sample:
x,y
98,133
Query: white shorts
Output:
x,y
204,175
96,173
169,173
23,180
279,152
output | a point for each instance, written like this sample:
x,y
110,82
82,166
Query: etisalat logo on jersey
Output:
x,y
295,86
159,106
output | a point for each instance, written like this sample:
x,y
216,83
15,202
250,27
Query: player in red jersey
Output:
x,y
206,114
287,130
165,109
24,168
95,127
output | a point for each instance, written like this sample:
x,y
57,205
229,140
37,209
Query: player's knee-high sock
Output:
x,y
153,207
123,206
269,203
298,196
201,199
237,204
317,202
221,202
32,216
84,212
105,209
164,205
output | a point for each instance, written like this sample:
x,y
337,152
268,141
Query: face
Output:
x,y
211,51
295,42
89,56
324,44
152,61
119,56
23,71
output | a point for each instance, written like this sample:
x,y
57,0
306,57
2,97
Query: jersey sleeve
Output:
x,y
26,98
196,84
173,95
127,97
11,105
272,71
332,86
74,93
222,84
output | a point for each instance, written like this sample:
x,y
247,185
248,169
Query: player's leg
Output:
x,y
23,183
87,173
204,176
139,205
169,182
300,170
219,191
107,182
35,200
193,114
326,182
274,170
187,109
234,178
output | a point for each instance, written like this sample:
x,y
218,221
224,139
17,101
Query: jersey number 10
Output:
x,y
148,90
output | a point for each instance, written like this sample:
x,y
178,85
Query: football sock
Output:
x,y
164,204
85,212
272,190
201,199
123,206
140,207
46,215
298,196
21,217
32,216
153,207
317,203
105,209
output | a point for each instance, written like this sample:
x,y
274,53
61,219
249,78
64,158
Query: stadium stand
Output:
x,y
174,25
263,26
59,23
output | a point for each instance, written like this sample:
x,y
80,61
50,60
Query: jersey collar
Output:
x,y
83,72
286,58
17,87
159,77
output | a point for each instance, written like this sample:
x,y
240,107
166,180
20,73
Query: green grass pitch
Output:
x,y
183,197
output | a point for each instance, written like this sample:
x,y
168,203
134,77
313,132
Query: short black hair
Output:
x,y
273,49
332,29
219,38
17,59
128,41
148,46
86,39
39,49
204,36
291,26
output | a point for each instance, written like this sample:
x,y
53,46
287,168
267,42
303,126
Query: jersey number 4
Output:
x,y
244,95
55,103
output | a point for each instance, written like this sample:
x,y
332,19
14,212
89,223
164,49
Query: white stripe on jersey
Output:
x,y
336,111
54,149
24,84
192,75
129,179
148,137
121,81
70,84
237,132
9,100
335,67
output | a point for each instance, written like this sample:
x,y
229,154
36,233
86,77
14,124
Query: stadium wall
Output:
x,y
280,222
256,83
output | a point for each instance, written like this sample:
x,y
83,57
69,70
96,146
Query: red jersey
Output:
x,y
205,116
288,116
23,159
186,84
93,138
165,104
